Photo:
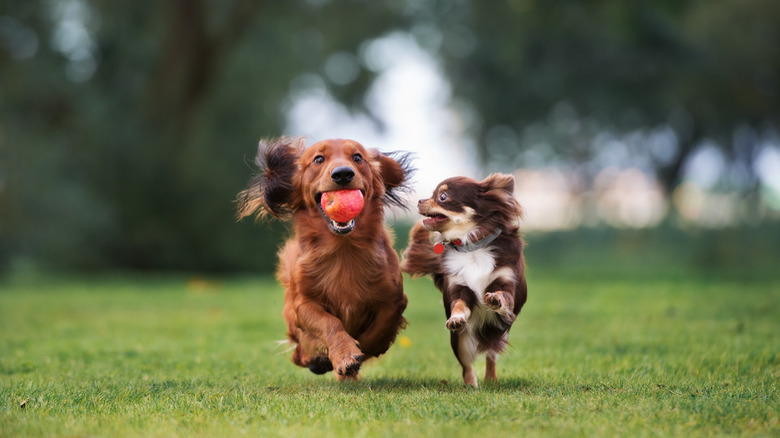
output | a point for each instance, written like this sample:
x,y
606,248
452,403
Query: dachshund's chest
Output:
x,y
350,285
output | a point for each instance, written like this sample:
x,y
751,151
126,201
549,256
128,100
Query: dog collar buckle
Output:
x,y
438,247
460,246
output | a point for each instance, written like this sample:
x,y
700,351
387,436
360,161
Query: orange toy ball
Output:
x,y
342,205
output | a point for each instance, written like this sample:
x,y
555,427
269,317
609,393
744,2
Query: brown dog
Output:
x,y
344,297
477,263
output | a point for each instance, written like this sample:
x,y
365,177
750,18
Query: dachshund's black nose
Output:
x,y
342,175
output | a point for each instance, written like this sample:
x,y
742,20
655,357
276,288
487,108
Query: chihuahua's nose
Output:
x,y
420,202
342,175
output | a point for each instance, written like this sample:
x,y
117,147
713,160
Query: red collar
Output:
x,y
460,246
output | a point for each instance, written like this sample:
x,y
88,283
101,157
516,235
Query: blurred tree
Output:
x,y
126,127
702,68
122,123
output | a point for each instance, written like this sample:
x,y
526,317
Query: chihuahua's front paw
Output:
x,y
494,300
456,323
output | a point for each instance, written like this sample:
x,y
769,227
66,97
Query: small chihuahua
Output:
x,y
469,243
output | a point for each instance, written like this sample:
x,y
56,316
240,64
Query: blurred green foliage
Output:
x,y
137,165
127,129
747,253
574,70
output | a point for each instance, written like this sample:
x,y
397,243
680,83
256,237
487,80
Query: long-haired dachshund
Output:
x,y
343,299
476,261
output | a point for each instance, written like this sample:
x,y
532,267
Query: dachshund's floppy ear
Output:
x,y
395,169
272,191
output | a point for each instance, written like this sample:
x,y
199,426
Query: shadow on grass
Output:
x,y
387,385
402,384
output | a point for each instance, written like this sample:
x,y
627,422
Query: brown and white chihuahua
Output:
x,y
469,243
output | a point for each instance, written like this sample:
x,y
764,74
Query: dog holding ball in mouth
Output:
x,y
343,300
342,207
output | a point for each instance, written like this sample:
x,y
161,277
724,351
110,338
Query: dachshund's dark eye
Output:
x,y
443,196
357,158
319,159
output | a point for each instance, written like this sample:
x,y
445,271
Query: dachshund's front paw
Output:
x,y
351,366
347,357
320,365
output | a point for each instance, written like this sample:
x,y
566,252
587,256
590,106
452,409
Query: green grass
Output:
x,y
172,356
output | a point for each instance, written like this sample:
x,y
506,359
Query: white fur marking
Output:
x,y
461,224
464,218
472,269
468,343
467,347
505,273
480,317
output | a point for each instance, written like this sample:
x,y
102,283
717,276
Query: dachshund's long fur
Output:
x,y
480,266
344,299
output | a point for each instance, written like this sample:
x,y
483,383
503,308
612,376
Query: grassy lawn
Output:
x,y
177,356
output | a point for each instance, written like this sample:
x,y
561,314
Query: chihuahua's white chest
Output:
x,y
472,269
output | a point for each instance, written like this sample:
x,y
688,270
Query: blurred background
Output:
x,y
641,133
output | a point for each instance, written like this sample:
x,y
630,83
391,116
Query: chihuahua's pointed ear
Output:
x,y
395,171
500,187
500,181
273,191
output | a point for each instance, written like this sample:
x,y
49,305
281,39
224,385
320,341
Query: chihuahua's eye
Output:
x,y
443,196
319,159
357,158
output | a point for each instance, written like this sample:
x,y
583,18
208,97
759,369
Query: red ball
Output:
x,y
342,205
